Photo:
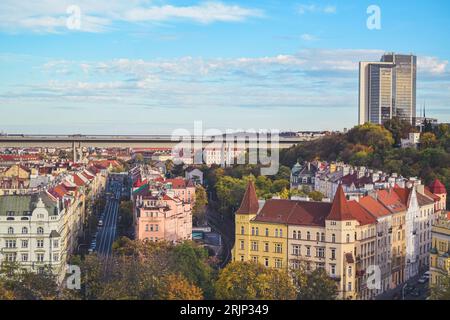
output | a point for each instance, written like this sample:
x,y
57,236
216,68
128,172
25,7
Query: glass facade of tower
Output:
x,y
380,93
388,89
403,85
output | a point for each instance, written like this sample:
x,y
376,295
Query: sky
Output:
x,y
152,66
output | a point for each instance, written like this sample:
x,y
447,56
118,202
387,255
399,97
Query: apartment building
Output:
x,y
385,232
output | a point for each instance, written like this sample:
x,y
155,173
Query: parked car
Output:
x,y
427,274
423,280
100,223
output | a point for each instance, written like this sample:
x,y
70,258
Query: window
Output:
x,y
24,230
10,230
333,269
151,227
146,227
296,250
308,235
276,233
322,238
242,258
242,229
278,263
24,257
254,246
308,251
56,257
10,257
333,254
294,234
255,259
278,248
266,262
257,231
349,286
320,252
156,227
350,271
40,257
266,246
299,235
10,243
253,231
333,238
318,236
24,243
40,230
347,238
55,243
267,232
281,233
40,243
242,245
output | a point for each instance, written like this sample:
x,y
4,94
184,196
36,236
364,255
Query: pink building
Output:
x,y
162,217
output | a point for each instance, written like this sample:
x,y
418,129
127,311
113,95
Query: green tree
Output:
x,y
201,201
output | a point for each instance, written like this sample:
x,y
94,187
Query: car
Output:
x,y
427,274
423,280
90,250
100,223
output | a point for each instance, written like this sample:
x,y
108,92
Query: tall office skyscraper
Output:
x,y
387,89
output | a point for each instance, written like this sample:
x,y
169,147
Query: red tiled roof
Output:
x,y
390,200
431,194
309,213
374,207
60,190
437,187
340,210
249,203
361,214
77,180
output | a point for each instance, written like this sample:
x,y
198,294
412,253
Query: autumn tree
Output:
x,y
313,285
441,290
177,287
253,281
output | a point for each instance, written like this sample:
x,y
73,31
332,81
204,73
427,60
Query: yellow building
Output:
x,y
259,238
440,251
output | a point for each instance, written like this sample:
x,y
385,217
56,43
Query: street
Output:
x,y
107,232
225,227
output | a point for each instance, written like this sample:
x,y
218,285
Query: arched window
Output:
x,y
333,238
257,231
348,238
276,233
322,238
24,230
40,230
318,236
308,235
281,233
299,235
242,229
10,230
294,234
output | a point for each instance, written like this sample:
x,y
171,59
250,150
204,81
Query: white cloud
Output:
x,y
312,8
308,37
98,16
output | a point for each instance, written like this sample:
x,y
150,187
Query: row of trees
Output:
x,y
163,271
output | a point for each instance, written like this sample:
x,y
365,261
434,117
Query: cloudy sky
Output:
x,y
151,66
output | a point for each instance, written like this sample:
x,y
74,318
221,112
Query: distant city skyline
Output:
x,y
149,67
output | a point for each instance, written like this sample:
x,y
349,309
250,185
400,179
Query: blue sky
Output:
x,y
149,66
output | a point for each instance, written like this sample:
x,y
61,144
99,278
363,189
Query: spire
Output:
x,y
340,210
437,187
249,204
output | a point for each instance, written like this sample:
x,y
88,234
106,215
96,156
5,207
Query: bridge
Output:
x,y
128,141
